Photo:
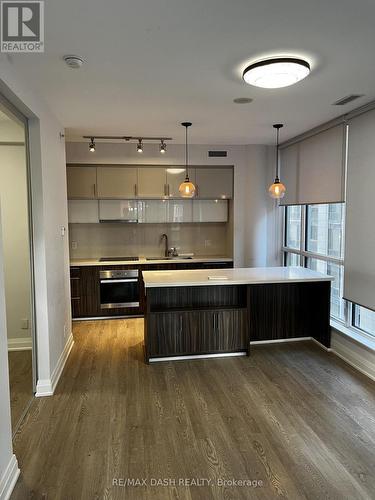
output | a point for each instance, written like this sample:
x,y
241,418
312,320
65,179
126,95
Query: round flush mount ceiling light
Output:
x,y
74,62
276,72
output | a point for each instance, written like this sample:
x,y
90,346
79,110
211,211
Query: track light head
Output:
x,y
92,145
140,146
163,147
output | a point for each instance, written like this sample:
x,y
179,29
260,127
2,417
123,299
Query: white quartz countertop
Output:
x,y
237,276
143,261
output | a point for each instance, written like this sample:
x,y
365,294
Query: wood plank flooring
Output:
x,y
20,383
293,418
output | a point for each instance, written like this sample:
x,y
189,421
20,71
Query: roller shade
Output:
x,y
313,169
359,273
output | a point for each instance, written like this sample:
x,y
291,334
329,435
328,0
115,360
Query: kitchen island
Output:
x,y
206,313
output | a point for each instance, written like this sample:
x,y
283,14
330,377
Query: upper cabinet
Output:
x,y
83,211
81,182
126,183
180,211
210,211
214,183
151,182
118,210
174,177
117,182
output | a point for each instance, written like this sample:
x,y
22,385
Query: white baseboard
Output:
x,y
328,349
20,344
358,357
9,478
278,341
46,387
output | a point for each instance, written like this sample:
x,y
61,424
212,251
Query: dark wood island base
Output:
x,y
222,320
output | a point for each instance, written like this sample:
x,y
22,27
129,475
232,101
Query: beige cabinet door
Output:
x,y
151,182
117,182
81,182
175,176
214,183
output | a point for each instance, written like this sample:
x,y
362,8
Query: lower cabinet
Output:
x,y
197,332
85,287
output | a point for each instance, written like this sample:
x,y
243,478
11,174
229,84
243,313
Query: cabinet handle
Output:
x,y
94,186
180,323
165,190
168,190
135,189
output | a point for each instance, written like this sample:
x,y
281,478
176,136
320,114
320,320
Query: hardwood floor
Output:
x,y
20,383
291,416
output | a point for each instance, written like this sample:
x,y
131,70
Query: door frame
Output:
x,y
4,103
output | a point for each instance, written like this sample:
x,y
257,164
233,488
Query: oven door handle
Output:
x,y
132,280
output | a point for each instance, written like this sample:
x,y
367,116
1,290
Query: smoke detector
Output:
x,y
73,62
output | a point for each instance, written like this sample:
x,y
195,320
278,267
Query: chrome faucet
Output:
x,y
162,237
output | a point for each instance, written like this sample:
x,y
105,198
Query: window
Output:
x,y
325,227
314,239
364,319
293,227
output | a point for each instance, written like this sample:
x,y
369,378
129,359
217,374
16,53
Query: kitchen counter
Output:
x,y
143,261
238,276
205,313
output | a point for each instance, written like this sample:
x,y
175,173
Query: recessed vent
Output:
x,y
217,154
347,99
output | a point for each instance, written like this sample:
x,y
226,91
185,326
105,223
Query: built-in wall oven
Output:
x,y
119,289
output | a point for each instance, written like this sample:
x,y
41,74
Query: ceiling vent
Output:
x,y
217,154
347,99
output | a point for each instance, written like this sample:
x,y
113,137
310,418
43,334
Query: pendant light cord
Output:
x,y
277,153
186,153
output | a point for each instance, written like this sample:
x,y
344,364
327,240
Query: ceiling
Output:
x,y
152,64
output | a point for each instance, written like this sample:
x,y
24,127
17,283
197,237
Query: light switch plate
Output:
x,y
24,324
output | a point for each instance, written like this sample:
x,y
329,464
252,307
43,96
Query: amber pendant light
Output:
x,y
187,188
277,190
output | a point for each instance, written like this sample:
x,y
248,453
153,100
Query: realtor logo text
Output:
x,y
22,26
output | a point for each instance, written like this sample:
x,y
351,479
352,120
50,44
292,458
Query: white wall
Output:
x,y
251,177
47,151
13,196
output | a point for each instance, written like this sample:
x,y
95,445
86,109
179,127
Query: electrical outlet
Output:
x,y
74,245
207,243
24,324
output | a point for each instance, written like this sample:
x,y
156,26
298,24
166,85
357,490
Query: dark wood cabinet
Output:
x,y
197,320
85,286
197,332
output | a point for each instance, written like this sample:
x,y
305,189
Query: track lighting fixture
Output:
x,y
163,146
129,138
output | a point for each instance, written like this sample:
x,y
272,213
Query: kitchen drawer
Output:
x,y
75,287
